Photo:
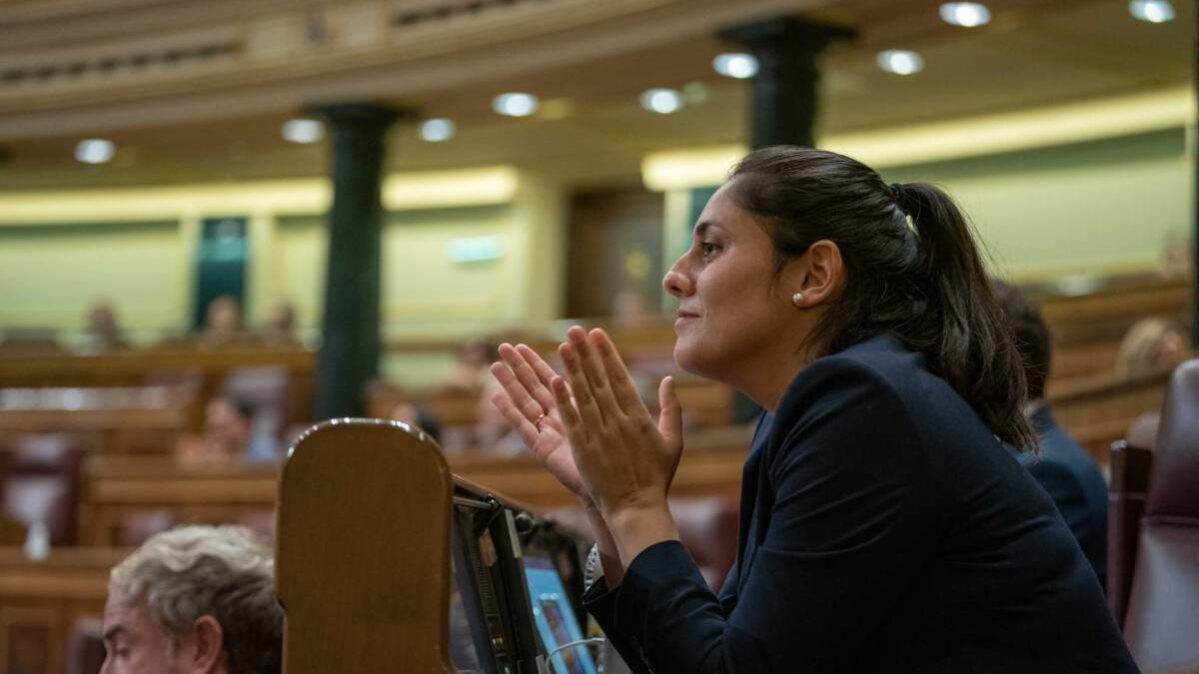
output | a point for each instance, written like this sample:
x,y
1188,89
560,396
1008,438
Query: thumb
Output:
x,y
670,419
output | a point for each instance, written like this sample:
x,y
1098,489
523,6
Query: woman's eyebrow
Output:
x,y
703,226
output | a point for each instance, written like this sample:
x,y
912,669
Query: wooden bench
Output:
x,y
118,489
206,369
113,421
41,601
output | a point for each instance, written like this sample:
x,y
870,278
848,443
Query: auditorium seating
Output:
x,y
119,490
41,484
1162,617
1099,410
206,370
85,648
111,420
41,602
1126,504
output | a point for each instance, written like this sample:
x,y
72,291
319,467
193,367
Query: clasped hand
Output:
x,y
590,428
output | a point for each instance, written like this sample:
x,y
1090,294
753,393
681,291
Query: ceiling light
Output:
x,y
662,101
436,130
515,104
303,130
1153,11
967,14
95,151
739,66
900,61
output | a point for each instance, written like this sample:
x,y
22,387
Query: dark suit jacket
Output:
x,y
1076,486
884,528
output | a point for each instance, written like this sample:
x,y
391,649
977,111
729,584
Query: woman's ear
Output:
x,y
819,273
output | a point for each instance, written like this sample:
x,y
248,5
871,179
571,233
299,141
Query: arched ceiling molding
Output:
x,y
414,59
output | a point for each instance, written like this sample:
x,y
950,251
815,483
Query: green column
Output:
x,y
785,98
786,88
349,355
1195,203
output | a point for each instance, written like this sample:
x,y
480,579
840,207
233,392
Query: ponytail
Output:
x,y
966,333
928,287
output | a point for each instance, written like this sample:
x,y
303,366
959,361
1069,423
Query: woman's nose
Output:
x,y
676,282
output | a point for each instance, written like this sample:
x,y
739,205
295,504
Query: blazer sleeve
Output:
x,y
1066,492
853,513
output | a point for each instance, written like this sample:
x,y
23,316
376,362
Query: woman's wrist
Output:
x,y
605,545
637,528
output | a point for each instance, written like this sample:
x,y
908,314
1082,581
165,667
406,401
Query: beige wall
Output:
x,y
49,274
1099,207
1103,207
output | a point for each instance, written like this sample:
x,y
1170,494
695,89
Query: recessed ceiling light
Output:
x,y
662,101
737,65
95,151
900,61
967,14
436,130
1153,11
303,130
515,104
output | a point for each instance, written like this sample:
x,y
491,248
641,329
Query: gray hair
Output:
x,y
225,572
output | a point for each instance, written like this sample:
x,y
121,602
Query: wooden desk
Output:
x,y
207,368
40,602
114,421
115,488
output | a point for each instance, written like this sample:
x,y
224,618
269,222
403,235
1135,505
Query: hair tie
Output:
x,y
898,192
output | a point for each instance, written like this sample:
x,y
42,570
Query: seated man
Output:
x,y
1064,468
194,600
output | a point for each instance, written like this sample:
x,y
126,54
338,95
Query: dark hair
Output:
x,y
1030,332
244,410
927,286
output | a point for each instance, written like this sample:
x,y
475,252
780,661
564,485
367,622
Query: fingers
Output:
x,y
532,372
584,402
528,432
575,430
597,379
516,391
623,388
670,420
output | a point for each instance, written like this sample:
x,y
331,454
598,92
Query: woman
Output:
x,y
884,526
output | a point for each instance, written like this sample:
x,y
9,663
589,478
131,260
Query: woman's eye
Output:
x,y
707,248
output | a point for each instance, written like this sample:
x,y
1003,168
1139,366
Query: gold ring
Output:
x,y
537,421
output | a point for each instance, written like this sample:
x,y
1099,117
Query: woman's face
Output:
x,y
732,314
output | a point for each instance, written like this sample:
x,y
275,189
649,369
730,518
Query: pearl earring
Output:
x,y
797,299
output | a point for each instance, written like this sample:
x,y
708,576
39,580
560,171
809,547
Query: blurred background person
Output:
x,y
222,323
1064,468
1150,345
103,331
469,372
229,434
280,329
415,415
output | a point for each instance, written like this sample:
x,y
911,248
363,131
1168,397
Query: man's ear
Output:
x,y
206,654
819,273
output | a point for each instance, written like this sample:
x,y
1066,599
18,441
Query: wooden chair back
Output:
x,y
363,553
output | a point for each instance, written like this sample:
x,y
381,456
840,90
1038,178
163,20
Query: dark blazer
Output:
x,y
884,528
1076,486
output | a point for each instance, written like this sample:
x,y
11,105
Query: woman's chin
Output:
x,y
687,359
